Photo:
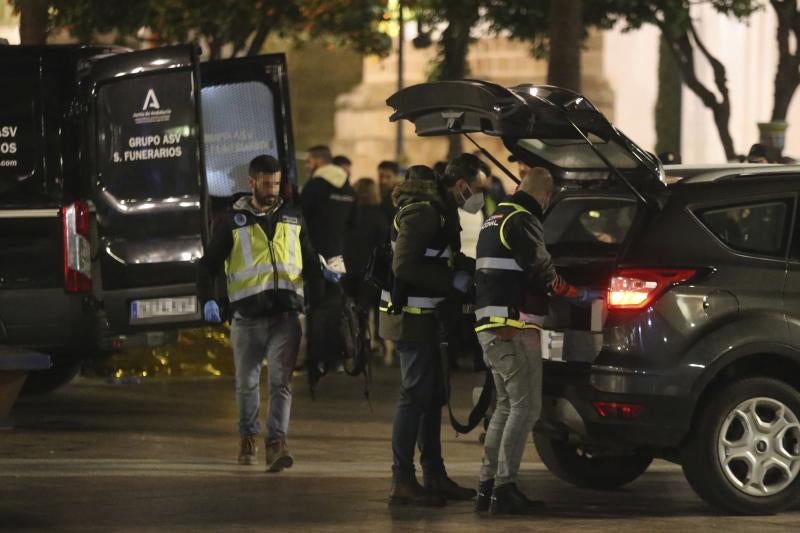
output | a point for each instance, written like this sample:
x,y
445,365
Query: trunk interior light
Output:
x,y
637,289
626,411
77,248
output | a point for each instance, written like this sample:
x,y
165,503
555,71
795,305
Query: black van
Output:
x,y
112,164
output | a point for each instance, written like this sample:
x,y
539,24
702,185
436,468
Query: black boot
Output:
x,y
484,496
449,489
507,499
410,492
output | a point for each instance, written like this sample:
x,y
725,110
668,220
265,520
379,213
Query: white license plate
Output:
x,y
163,307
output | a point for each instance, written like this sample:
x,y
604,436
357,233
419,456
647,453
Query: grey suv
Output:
x,y
694,354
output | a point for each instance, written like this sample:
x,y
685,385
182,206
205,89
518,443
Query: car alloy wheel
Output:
x,y
758,446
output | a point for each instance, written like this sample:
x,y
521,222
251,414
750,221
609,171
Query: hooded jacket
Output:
x,y
328,205
418,225
219,248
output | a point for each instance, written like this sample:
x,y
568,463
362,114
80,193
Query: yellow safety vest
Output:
x,y
257,264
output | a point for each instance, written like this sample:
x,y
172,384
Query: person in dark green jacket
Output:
x,y
426,254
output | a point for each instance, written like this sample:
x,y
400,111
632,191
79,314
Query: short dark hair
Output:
x,y
264,164
391,166
321,151
420,172
341,160
464,167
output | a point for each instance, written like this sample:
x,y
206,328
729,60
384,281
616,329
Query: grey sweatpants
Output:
x,y
516,366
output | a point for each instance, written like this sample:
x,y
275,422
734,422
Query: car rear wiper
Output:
x,y
493,159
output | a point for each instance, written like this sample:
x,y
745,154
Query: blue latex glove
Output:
x,y
330,275
462,281
588,295
211,312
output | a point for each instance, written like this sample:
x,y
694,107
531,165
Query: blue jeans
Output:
x,y
516,366
278,338
418,418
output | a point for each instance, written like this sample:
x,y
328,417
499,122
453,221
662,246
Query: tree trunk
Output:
x,y
668,103
566,36
33,22
682,47
787,77
455,46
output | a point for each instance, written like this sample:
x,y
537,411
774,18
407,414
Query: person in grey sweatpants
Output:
x,y
514,279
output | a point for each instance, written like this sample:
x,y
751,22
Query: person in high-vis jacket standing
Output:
x,y
263,248
426,245
514,278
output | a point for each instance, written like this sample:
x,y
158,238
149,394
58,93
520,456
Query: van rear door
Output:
x,y
148,185
245,113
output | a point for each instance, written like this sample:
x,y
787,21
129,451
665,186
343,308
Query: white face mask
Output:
x,y
474,203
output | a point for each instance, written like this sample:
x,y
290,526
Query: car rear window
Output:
x,y
759,228
584,225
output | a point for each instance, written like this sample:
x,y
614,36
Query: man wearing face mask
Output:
x,y
263,247
515,277
425,239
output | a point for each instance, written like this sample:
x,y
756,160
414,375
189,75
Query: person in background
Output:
x,y
328,205
388,178
370,231
343,162
260,237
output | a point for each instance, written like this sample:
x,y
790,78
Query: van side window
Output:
x,y
760,228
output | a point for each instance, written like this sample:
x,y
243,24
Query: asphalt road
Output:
x,y
162,456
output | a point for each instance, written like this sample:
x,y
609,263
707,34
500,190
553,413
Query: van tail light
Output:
x,y
77,248
638,288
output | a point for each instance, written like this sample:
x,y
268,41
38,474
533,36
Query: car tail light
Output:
x,y
77,248
638,288
625,411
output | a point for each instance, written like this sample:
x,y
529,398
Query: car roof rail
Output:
x,y
713,173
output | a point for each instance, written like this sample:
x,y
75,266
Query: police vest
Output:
x,y
501,282
419,301
257,264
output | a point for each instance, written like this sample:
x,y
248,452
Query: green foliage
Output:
x,y
243,25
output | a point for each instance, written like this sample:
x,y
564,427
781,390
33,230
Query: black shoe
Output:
x,y
410,492
449,489
507,499
484,496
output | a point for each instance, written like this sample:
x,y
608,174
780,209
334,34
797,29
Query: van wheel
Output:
x,y
743,453
568,463
46,381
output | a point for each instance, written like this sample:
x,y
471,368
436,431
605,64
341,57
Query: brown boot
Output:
x,y
248,451
410,492
278,456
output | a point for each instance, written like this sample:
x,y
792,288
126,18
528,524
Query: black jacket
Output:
x,y
328,204
221,244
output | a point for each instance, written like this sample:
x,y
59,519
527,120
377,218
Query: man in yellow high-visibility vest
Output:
x,y
263,247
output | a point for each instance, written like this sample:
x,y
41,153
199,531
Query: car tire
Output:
x,y
41,382
566,462
722,425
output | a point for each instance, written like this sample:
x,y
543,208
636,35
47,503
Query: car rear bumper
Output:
x,y
570,393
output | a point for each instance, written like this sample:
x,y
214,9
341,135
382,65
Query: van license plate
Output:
x,y
163,307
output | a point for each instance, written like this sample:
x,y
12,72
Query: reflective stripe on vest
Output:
x,y
257,264
497,263
415,305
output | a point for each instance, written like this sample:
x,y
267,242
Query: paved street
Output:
x,y
161,456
